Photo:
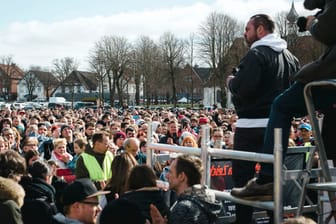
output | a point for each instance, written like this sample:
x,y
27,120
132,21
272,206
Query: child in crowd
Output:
x,y
79,147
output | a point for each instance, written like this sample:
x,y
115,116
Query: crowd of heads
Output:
x,y
41,144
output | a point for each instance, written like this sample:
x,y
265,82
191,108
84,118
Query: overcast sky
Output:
x,y
35,32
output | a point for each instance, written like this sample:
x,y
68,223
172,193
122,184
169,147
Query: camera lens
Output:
x,y
302,23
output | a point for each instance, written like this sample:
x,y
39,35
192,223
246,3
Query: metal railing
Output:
x,y
326,171
205,153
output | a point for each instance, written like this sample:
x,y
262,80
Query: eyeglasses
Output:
x,y
93,203
218,136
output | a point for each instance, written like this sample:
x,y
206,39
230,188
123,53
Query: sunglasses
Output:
x,y
94,203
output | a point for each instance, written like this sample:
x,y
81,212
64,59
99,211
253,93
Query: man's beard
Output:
x,y
251,41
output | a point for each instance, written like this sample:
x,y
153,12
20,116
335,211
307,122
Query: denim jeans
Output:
x,y
287,105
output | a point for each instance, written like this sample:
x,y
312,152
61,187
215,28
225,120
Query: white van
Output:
x,y
58,102
57,99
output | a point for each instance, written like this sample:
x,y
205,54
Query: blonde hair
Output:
x,y
11,190
59,141
189,138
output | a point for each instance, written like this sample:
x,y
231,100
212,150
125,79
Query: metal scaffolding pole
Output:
x,y
206,152
278,176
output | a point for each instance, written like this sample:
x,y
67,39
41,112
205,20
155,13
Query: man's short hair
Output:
x,y
89,124
124,124
40,169
263,20
129,129
191,166
40,124
98,136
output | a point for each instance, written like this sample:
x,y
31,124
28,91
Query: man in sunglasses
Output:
x,y
81,203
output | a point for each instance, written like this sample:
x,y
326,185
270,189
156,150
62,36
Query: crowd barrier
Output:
x,y
206,153
281,174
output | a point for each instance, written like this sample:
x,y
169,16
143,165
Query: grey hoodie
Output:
x,y
196,205
59,218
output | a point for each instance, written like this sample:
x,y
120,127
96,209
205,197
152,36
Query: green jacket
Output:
x,y
87,169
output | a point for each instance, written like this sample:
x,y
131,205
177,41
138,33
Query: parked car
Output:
x,y
32,106
81,104
18,106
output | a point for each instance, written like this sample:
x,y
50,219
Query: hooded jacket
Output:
x,y
11,200
262,75
38,188
59,218
196,205
39,203
10,212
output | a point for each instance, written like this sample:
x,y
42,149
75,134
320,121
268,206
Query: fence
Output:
x,y
205,153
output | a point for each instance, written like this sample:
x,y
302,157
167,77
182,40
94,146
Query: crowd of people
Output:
x,y
43,152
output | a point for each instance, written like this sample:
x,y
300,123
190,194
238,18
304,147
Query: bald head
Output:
x,y
131,145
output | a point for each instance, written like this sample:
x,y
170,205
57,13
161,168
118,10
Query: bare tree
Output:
x,y
50,84
136,75
191,59
101,67
120,59
281,23
100,62
115,55
148,67
31,82
173,50
63,67
217,34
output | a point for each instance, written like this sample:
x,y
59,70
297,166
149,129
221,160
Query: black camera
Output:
x,y
302,23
